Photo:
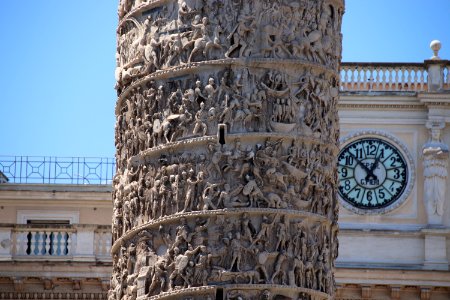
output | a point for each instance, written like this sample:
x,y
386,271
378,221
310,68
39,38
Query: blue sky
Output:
x,y
57,78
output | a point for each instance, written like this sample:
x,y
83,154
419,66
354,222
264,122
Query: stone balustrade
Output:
x,y
40,242
395,77
56,242
383,77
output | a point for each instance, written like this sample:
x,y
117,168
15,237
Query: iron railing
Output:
x,y
57,170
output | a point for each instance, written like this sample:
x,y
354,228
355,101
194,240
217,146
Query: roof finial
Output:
x,y
435,46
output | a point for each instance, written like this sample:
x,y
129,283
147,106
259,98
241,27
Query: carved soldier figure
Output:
x,y
159,278
278,269
202,266
211,90
240,34
190,191
200,121
237,250
264,232
261,260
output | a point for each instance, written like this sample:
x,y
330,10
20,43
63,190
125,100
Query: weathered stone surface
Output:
x,y
226,138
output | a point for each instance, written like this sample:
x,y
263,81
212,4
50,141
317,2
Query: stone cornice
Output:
x,y
394,233
435,99
380,101
56,188
391,277
52,198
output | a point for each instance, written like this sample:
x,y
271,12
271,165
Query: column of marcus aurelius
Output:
x,y
226,137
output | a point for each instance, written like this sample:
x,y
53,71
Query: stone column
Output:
x,y
226,136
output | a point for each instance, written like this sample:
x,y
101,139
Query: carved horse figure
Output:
x,y
204,44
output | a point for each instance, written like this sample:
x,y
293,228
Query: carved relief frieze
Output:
x,y
164,34
226,136
256,101
193,250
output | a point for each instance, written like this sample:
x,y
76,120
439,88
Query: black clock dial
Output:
x,y
372,173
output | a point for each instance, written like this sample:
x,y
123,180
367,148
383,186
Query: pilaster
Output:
x,y
5,243
84,244
436,249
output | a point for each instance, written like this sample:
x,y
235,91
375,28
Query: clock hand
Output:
x,y
360,163
372,169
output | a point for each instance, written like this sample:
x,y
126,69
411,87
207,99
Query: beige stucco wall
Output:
x,y
92,204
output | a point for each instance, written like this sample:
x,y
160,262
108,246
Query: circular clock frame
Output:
x,y
399,146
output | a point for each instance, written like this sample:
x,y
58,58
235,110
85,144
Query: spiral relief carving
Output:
x,y
227,135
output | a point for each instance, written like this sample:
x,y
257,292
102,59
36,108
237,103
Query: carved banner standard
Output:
x,y
227,135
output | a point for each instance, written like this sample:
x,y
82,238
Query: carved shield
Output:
x,y
262,257
181,262
173,117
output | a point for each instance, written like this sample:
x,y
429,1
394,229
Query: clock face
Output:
x,y
373,173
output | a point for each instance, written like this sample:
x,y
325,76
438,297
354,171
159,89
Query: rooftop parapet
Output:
x,y
432,75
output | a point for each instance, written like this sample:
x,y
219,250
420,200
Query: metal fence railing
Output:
x,y
57,170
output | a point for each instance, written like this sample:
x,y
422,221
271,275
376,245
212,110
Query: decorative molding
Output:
x,y
24,215
381,106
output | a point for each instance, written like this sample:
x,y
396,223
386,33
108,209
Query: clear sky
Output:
x,y
57,78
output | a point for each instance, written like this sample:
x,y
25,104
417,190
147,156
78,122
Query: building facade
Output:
x,y
394,238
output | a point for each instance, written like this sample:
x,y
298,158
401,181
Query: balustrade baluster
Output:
x,y
41,245
376,77
358,78
409,79
364,78
345,82
54,243
402,78
391,79
396,79
68,236
47,243
352,79
58,238
422,80
383,78
416,79
33,243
